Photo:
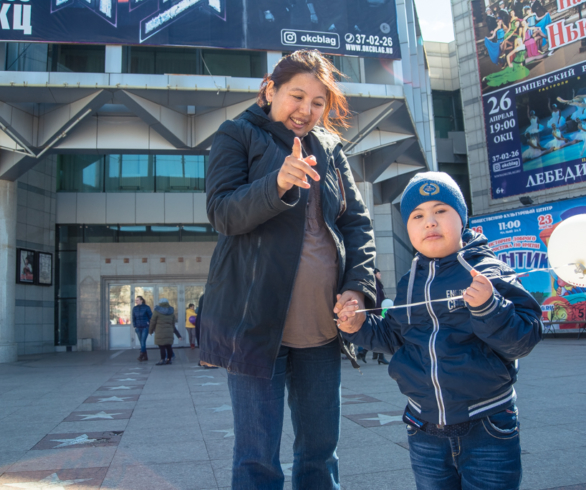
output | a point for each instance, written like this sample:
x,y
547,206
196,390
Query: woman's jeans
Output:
x,y
313,378
487,458
142,334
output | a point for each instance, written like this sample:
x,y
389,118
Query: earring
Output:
x,y
269,103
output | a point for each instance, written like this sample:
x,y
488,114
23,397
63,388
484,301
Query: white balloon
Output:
x,y
567,250
387,303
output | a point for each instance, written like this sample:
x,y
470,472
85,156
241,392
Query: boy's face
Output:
x,y
435,229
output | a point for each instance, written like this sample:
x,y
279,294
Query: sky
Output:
x,y
435,19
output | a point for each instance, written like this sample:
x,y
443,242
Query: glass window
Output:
x,y
77,58
120,309
159,61
247,64
80,173
180,173
349,66
198,233
27,57
160,233
129,173
66,328
67,274
100,234
68,236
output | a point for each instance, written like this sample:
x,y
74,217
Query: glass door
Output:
x,y
120,316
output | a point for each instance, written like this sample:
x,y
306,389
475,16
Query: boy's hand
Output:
x,y
348,320
480,291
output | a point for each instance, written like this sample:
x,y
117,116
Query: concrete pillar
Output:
x,y
8,350
367,194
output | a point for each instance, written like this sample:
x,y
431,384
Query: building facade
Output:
x,y
103,163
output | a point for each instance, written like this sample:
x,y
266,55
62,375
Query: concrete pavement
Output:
x,y
86,420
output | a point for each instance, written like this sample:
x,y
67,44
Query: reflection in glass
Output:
x,y
180,173
67,274
66,328
198,233
80,173
169,293
120,311
68,236
100,234
149,234
192,295
129,173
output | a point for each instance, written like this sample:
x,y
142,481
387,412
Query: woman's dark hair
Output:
x,y
142,299
190,305
336,111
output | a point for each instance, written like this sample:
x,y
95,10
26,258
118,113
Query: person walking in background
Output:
x,y
141,316
198,318
190,320
293,232
163,325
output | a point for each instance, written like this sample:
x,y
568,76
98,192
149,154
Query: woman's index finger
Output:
x,y
296,151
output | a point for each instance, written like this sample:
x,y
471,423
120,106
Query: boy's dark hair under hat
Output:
x,y
433,186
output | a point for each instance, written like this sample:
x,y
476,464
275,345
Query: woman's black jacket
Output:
x,y
255,262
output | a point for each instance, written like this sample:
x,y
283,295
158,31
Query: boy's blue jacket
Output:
x,y
454,362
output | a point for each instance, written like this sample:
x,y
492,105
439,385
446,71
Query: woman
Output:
x,y
163,325
558,140
141,316
190,318
556,120
494,47
287,245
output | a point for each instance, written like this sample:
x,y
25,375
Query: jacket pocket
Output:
x,y
502,425
342,193
218,258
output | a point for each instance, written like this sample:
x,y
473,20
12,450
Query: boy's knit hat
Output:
x,y
433,186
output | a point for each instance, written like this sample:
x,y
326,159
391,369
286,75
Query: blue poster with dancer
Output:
x,y
520,239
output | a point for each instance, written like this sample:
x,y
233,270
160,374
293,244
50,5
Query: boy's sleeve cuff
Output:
x,y
486,308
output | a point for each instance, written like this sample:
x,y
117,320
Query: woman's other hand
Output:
x,y
295,170
347,303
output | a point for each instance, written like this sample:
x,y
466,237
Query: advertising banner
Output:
x,y
532,61
520,238
354,27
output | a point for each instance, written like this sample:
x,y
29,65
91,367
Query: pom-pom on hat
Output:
x,y
433,186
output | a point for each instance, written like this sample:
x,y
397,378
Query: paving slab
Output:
x,y
173,429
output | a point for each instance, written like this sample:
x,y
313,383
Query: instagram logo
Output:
x,y
289,37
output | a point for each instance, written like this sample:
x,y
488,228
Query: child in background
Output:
x,y
455,360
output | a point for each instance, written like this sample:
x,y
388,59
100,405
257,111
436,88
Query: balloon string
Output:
x,y
517,274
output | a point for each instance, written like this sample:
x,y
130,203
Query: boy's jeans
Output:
x,y
488,458
313,378
142,334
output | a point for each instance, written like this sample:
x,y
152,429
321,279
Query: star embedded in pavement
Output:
x,y
386,419
72,442
100,415
51,482
228,432
205,377
120,387
126,379
223,408
113,399
211,384
287,469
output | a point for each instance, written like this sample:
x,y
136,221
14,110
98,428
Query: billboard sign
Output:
x,y
520,238
532,65
345,27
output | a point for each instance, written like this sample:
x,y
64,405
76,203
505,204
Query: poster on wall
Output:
x,y
520,238
532,62
354,27
45,268
25,266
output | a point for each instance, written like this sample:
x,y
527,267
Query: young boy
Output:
x,y
455,360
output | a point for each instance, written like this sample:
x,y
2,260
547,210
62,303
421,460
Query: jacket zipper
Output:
x,y
432,353
245,310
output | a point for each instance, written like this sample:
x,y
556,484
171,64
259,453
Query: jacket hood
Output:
x,y
257,116
164,309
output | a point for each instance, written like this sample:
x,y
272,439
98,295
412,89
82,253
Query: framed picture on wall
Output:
x,y
45,268
25,266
